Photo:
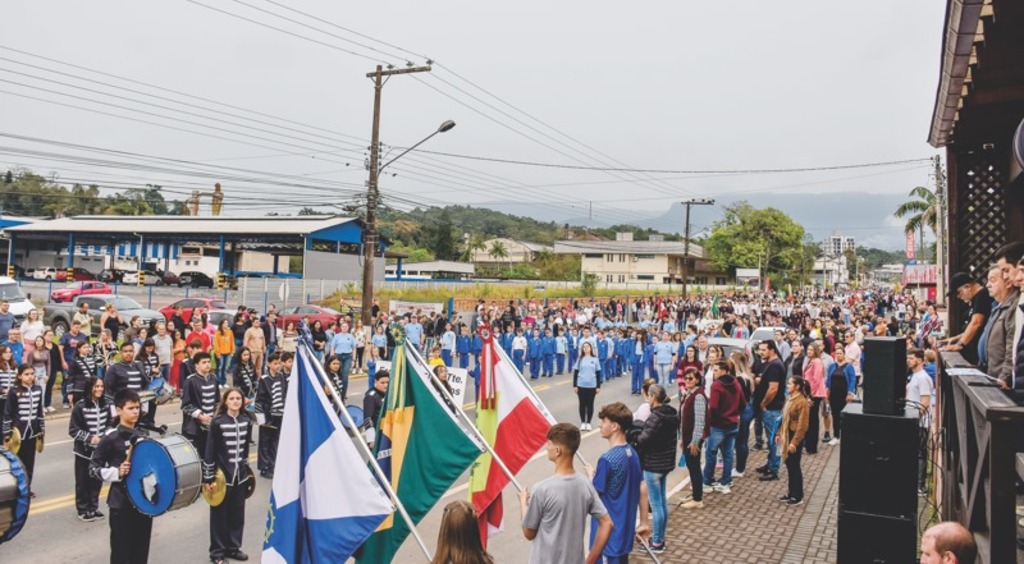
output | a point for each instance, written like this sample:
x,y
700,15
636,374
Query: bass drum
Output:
x,y
14,498
166,474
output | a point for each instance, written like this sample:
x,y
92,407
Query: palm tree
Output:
x,y
922,211
498,250
475,242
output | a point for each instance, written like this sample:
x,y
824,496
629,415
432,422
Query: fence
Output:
x,y
979,460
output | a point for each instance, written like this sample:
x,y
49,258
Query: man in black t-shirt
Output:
x,y
769,398
962,286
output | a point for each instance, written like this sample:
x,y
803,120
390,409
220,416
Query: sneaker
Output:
x,y
50,409
794,501
658,548
736,474
762,469
98,514
723,489
86,517
708,489
693,504
784,498
833,442
826,438
769,476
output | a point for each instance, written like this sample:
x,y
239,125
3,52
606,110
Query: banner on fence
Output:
x,y
402,308
457,379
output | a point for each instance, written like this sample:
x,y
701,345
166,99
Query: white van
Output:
x,y
10,291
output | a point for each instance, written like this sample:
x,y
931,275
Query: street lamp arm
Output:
x,y
446,126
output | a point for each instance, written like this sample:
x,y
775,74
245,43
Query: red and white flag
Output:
x,y
512,419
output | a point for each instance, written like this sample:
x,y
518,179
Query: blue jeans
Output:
x,y
637,381
346,369
659,505
743,438
223,362
772,420
724,440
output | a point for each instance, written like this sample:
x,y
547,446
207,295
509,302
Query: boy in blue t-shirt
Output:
x,y
617,480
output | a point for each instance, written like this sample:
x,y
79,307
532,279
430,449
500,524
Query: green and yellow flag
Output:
x,y
422,447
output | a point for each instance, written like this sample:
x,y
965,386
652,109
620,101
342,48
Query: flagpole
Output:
x,y
470,424
365,450
533,394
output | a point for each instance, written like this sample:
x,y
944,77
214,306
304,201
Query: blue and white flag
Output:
x,y
324,502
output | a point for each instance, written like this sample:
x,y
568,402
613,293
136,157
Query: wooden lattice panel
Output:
x,y
981,211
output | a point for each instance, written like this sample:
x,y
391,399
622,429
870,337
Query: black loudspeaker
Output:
x,y
877,539
885,375
878,463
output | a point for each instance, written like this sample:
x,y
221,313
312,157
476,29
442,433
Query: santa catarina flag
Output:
x,y
512,421
421,447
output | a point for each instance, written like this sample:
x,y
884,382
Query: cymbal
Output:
x,y
215,496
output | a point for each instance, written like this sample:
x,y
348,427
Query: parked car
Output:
x,y
149,278
216,315
325,315
58,315
195,279
168,278
189,304
78,275
729,344
765,333
68,293
49,273
20,304
28,273
111,275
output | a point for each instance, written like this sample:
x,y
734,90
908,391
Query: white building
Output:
x,y
626,261
835,244
830,270
430,270
518,251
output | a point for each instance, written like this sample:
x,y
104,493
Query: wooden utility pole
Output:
x,y
372,193
940,231
686,240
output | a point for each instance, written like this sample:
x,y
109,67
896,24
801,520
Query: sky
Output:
x,y
714,96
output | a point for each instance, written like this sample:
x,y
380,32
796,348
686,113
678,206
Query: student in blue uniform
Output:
x,y
652,372
519,345
548,354
462,346
534,353
573,342
506,339
602,354
639,348
561,347
448,344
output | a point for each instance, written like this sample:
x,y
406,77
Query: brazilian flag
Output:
x,y
421,447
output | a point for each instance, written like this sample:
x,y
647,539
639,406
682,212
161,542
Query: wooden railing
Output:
x,y
978,458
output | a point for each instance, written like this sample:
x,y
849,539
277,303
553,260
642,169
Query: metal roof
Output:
x,y
631,247
964,28
185,225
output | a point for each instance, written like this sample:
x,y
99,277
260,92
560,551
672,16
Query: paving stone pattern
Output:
x,y
749,525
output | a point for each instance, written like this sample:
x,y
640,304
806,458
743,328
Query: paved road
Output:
x,y
53,534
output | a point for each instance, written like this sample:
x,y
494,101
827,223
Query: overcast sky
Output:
x,y
680,86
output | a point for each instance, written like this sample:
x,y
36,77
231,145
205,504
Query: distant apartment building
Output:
x,y
835,244
657,261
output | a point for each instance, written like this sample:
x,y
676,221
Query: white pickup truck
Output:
x,y
10,291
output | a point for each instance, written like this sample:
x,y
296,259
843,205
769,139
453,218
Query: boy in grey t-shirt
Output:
x,y
555,516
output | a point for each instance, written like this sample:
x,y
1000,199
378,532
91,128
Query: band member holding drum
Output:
x,y
24,411
199,402
269,411
130,530
82,369
88,425
227,450
128,374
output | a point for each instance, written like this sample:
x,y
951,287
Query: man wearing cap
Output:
x,y
962,286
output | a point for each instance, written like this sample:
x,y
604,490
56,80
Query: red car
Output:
x,y
189,304
79,289
326,315
78,274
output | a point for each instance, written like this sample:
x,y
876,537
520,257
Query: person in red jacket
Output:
x,y
694,430
725,404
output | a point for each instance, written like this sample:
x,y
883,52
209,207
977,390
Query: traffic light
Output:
x,y
142,279
10,270
222,280
71,275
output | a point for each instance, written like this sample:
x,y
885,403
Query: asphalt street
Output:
x,y
53,533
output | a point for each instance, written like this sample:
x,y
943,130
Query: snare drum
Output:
x,y
13,495
165,475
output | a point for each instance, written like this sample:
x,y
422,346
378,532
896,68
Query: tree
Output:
x,y
475,242
749,237
439,236
922,211
498,251
308,211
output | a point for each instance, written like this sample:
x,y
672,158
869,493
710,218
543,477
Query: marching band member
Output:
x,y
269,412
199,402
8,375
82,369
244,374
130,530
88,425
227,450
332,366
128,374
24,411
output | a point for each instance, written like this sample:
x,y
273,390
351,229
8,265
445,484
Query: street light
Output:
x,y
372,199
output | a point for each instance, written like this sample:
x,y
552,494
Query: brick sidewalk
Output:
x,y
750,525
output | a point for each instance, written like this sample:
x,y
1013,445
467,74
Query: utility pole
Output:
x,y
940,220
686,241
372,192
